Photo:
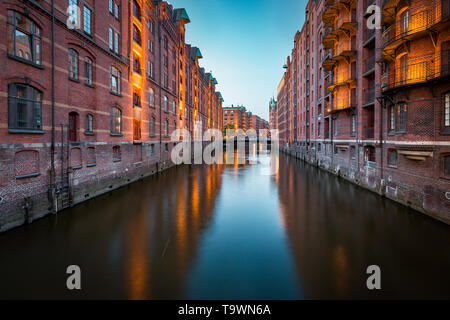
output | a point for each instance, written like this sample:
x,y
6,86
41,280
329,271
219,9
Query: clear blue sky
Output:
x,y
245,44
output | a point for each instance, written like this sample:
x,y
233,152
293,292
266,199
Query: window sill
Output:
x,y
137,141
90,165
117,160
89,85
76,167
26,131
116,134
74,80
152,135
89,133
25,61
28,175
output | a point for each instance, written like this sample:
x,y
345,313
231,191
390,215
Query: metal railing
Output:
x,y
344,45
417,72
412,24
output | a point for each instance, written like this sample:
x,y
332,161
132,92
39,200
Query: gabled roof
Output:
x,y
181,15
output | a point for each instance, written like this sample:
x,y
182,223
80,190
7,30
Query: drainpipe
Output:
x,y
160,92
52,148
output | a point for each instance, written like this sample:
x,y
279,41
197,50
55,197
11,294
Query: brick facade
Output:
x,y
373,105
158,82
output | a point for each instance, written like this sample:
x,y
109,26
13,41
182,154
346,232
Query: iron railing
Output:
x,y
425,70
413,23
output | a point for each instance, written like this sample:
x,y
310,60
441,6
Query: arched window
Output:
x,y
115,80
88,71
447,110
166,104
151,126
73,64
137,35
73,126
392,158
24,38
174,107
24,107
166,128
89,124
116,121
151,98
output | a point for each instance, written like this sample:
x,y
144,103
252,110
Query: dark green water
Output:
x,y
230,232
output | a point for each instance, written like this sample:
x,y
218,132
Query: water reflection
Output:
x,y
230,232
336,230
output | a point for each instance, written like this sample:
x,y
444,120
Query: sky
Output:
x,y
245,44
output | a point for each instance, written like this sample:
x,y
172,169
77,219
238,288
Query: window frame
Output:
x,y
89,10
116,121
88,71
34,37
33,102
390,162
89,124
118,81
72,53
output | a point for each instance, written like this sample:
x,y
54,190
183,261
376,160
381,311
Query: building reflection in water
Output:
x,y
336,230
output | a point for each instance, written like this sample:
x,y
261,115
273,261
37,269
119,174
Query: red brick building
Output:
x,y
373,105
100,113
239,118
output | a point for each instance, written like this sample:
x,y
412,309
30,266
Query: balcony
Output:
x,y
344,77
332,8
344,103
424,69
342,51
410,27
344,25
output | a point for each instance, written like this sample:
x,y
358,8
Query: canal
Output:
x,y
230,232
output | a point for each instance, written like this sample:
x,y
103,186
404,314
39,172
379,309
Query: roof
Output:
x,y
181,15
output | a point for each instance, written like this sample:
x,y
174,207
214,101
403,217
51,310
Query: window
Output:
x,y
115,81
136,64
24,38
136,10
353,129
136,99
88,71
152,149
73,126
166,104
116,43
117,155
116,120
137,35
89,124
392,158
116,10
447,109
401,117
111,5
150,69
111,39
137,123
151,98
447,166
353,152
151,127
174,107
335,125
73,64
166,128
87,20
166,147
24,107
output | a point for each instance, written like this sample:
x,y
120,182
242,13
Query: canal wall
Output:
x,y
32,197
426,195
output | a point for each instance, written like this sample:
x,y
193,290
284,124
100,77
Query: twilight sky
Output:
x,y
245,44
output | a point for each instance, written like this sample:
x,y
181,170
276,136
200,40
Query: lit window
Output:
x,y
137,35
73,64
23,38
24,107
89,123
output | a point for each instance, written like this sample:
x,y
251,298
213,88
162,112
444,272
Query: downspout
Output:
x,y
160,92
52,147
